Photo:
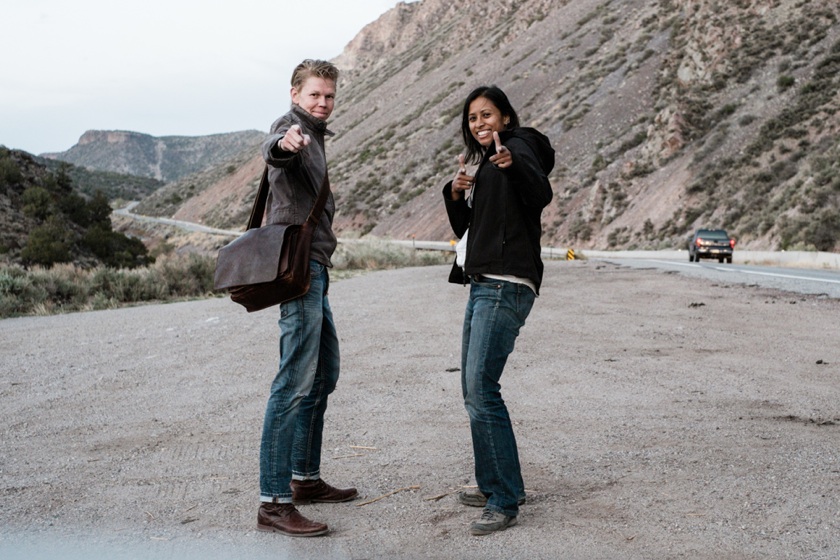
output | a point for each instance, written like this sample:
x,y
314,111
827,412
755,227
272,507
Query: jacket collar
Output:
x,y
315,123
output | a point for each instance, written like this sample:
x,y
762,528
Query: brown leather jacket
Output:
x,y
295,180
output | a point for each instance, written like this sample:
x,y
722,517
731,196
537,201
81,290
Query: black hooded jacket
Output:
x,y
504,220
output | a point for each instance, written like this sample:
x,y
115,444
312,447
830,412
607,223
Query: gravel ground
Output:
x,y
657,417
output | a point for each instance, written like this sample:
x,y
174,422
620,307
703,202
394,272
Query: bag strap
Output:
x,y
314,217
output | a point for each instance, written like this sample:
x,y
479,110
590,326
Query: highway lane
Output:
x,y
825,282
186,226
819,281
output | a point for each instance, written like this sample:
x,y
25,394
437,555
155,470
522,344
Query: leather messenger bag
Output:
x,y
269,265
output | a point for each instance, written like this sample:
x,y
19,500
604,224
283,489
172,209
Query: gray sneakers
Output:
x,y
477,499
491,522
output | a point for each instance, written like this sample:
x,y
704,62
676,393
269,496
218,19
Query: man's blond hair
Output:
x,y
313,68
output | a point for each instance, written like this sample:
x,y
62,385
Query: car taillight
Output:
x,y
731,243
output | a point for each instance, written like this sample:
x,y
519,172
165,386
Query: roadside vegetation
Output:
x,y
66,288
60,251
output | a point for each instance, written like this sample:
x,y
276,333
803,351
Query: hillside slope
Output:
x,y
666,116
46,218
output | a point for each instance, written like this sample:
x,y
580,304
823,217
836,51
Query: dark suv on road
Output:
x,y
711,244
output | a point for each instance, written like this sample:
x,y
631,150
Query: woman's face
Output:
x,y
484,119
316,96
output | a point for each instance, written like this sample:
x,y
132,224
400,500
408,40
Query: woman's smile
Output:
x,y
484,119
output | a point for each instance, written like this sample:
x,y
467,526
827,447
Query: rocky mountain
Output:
x,y
666,115
166,158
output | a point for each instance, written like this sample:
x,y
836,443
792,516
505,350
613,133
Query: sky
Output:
x,y
161,67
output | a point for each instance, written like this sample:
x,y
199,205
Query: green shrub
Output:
x,y
9,171
377,255
18,291
115,249
37,203
785,82
47,244
186,276
67,287
99,210
823,231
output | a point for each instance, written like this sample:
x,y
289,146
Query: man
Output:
x,y
290,452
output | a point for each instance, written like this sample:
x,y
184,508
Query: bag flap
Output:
x,y
253,257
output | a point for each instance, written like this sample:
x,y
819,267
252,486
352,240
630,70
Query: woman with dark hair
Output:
x,y
496,214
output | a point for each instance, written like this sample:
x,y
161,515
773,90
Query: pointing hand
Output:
x,y
462,182
294,140
502,158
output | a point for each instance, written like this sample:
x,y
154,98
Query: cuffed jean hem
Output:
x,y
276,499
313,476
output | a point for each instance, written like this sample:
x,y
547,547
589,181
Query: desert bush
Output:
x,y
116,249
37,203
9,171
185,276
637,140
823,231
47,244
820,231
580,230
379,255
76,209
18,291
785,81
67,287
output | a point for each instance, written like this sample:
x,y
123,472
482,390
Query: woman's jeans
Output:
x,y
495,312
294,416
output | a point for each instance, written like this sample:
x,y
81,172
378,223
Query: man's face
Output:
x,y
316,96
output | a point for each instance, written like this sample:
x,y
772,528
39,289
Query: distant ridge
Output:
x,y
165,158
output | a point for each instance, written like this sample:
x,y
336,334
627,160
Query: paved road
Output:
x,y
186,226
657,415
824,282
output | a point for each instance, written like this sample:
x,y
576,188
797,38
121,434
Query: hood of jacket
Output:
x,y
538,141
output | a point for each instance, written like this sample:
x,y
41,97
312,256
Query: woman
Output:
x,y
496,213
290,452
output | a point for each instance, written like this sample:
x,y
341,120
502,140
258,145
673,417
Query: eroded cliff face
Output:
x,y
107,137
666,115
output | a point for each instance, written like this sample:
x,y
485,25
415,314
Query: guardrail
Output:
x,y
804,259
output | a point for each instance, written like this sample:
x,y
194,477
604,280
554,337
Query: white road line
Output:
x,y
810,279
772,274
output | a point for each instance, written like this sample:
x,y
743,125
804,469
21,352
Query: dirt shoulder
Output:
x,y
657,417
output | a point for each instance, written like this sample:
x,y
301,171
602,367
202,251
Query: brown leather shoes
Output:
x,y
319,492
286,519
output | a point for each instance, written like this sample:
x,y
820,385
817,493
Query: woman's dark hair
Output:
x,y
498,98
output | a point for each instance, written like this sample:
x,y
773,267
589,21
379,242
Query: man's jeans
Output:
x,y
495,312
294,416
